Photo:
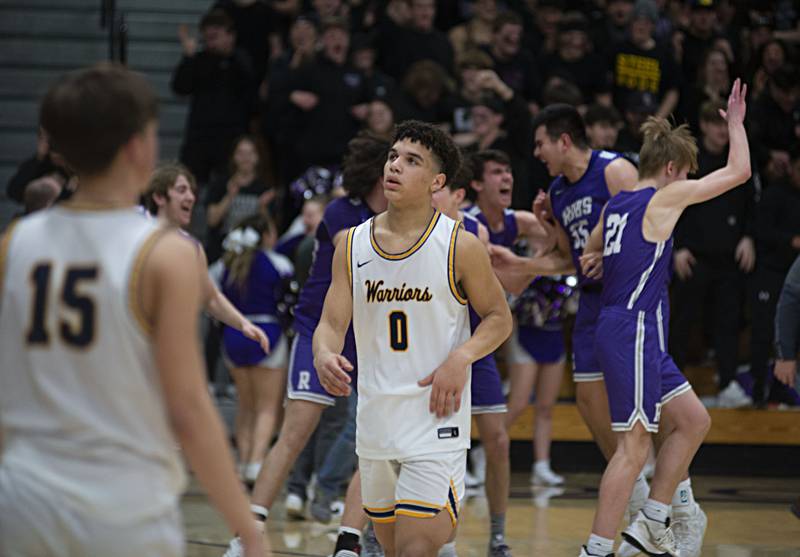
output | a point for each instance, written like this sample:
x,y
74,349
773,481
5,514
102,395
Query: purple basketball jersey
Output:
x,y
505,237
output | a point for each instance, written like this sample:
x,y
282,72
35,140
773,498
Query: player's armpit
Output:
x,y
482,288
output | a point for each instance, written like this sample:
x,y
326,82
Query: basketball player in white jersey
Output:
x,y
402,278
101,369
170,196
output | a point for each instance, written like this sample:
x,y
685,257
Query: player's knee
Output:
x,y
498,443
544,410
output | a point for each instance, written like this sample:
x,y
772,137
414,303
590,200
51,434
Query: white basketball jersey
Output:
x,y
81,406
408,315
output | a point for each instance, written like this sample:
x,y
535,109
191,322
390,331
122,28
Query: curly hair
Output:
x,y
163,178
438,142
363,163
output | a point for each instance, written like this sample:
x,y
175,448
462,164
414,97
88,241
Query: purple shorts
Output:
x,y
544,346
640,376
303,383
240,351
585,366
487,389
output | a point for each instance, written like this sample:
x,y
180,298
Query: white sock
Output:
x,y
655,510
347,530
600,546
251,471
683,500
448,550
259,513
542,465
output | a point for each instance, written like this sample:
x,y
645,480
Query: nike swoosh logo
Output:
x,y
359,265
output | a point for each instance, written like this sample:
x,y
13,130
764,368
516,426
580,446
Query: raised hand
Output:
x,y
188,42
736,104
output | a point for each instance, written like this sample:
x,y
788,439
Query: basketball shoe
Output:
x,y
651,536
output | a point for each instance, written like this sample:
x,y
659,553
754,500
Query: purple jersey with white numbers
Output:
x,y
505,237
577,206
635,270
340,214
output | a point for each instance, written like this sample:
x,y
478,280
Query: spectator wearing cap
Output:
x,y
778,245
701,34
611,27
575,62
640,64
602,126
220,82
501,121
516,66
639,105
329,101
713,250
477,31
407,35
363,57
277,115
713,84
774,122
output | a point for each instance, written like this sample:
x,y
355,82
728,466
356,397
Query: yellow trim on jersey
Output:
x,y
410,251
451,265
415,514
349,254
389,520
379,509
427,506
5,242
134,282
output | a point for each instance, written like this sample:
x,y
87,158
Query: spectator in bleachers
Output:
x,y
574,61
516,66
380,119
326,9
640,64
540,21
639,106
501,122
471,64
221,83
475,33
256,32
602,126
774,122
407,35
277,114
713,84
424,95
329,101
297,243
713,250
770,57
559,90
364,56
611,28
236,196
698,36
778,242
43,163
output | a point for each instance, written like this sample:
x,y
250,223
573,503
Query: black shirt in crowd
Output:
x,y
399,47
713,228
777,222
771,128
521,73
589,73
635,69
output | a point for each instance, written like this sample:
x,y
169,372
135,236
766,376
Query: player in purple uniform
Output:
x,y
170,196
635,240
363,180
488,402
253,279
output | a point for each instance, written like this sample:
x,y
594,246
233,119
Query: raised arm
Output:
x,y
329,335
476,280
171,296
669,202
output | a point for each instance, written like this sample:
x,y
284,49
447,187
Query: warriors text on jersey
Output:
x,y
408,315
81,407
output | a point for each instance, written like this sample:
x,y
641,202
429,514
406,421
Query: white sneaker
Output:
x,y
690,529
295,507
477,458
641,491
733,396
651,537
235,548
544,475
585,553
627,550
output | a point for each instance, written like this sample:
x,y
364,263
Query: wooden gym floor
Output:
x,y
748,517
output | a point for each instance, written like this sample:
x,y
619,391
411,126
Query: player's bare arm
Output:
x,y
541,233
516,273
218,306
328,342
475,276
171,296
669,202
592,258
620,175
